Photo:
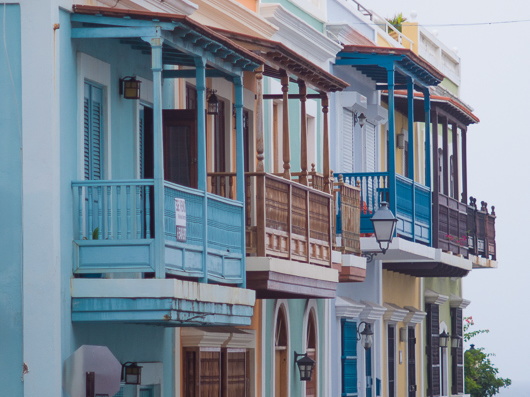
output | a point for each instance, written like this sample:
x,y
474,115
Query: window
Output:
x,y
311,349
391,346
281,347
411,361
216,372
457,353
93,131
433,349
349,357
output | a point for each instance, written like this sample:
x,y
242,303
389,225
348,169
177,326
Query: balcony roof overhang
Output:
x,y
275,278
375,62
183,40
418,260
279,57
162,302
451,105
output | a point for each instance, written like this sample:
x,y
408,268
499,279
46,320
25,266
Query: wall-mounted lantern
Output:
x,y
131,373
213,103
305,365
130,87
366,335
444,339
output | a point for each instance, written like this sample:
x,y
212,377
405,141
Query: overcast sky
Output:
x,y
495,62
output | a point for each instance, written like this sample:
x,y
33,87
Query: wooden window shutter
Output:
x,y
349,358
391,344
433,349
93,129
457,354
411,361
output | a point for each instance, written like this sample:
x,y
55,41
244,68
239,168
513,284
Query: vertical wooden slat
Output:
x,y
445,156
138,200
259,119
80,211
100,211
118,212
456,173
147,212
128,210
90,212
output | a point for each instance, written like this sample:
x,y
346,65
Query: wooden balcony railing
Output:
x,y
413,203
284,218
450,219
348,218
481,230
115,223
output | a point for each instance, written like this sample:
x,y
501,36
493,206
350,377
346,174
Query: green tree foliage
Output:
x,y
482,378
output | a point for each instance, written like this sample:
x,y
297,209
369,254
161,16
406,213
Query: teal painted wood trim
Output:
x,y
191,73
240,163
114,33
11,244
168,312
123,22
109,256
200,79
428,154
411,144
391,155
158,155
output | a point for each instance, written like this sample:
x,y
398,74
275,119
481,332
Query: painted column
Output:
x,y
445,157
240,166
412,152
428,164
286,136
200,76
158,155
391,150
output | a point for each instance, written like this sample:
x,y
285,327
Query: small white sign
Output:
x,y
180,219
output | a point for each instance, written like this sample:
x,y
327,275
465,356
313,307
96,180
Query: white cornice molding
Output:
x,y
394,312
372,311
458,302
233,16
299,36
346,34
433,297
414,316
346,307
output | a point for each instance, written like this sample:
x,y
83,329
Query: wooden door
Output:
x,y
180,147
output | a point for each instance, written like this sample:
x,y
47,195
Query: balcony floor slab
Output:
x,y
165,302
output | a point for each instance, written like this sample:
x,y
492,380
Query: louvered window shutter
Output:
x,y
370,149
93,123
433,346
347,141
457,353
349,358
391,344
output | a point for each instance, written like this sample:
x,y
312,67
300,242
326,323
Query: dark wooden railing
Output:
x,y
348,219
481,230
450,219
284,218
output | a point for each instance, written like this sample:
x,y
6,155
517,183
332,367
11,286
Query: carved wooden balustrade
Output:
x,y
450,219
284,219
481,229
348,219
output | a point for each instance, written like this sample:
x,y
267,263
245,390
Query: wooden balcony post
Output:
x,y
436,161
240,164
286,137
158,155
259,119
427,109
464,165
303,133
325,158
456,173
261,221
411,144
445,157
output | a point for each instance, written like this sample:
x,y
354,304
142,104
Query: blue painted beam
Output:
x,y
110,33
191,73
125,22
370,62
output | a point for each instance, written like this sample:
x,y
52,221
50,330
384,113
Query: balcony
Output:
x,y
288,235
114,235
412,206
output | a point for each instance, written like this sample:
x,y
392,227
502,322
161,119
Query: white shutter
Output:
x,y
370,148
347,141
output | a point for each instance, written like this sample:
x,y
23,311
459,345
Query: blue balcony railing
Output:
x,y
115,223
412,203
